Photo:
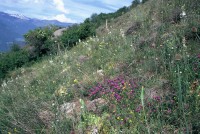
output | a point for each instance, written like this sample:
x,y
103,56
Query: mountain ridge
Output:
x,y
14,26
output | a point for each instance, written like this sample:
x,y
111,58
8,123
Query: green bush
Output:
x,y
76,32
41,40
12,60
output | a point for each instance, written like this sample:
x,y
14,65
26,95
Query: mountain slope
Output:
x,y
13,27
144,64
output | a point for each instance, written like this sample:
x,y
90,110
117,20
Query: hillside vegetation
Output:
x,y
42,42
140,73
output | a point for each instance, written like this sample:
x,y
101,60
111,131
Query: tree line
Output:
x,y
40,41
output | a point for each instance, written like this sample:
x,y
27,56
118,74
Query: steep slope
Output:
x,y
145,65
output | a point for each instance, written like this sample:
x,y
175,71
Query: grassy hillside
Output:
x,y
144,66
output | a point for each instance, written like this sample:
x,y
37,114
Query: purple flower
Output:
x,y
198,56
157,98
138,109
118,97
95,90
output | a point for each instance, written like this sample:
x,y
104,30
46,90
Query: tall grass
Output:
x,y
150,81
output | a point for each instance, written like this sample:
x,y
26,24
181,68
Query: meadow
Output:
x,y
141,74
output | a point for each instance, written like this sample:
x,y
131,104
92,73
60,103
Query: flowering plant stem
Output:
x,y
142,101
180,96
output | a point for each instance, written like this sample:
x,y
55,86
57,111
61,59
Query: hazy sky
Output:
x,y
62,10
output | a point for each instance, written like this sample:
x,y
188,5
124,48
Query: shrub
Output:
x,y
12,60
40,39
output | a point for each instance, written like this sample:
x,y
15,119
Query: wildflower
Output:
x,y
157,98
122,33
117,96
184,42
183,14
61,91
138,109
198,56
15,130
75,81
124,87
100,72
4,84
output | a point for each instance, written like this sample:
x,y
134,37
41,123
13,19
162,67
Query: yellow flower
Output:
x,y
15,129
124,87
75,81
61,91
118,118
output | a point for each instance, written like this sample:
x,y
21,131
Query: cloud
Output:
x,y
114,4
62,10
81,9
36,1
62,18
60,6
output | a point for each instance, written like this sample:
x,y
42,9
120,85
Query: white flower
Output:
x,y
100,72
183,14
4,84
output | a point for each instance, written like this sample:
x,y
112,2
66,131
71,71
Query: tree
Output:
x,y
94,18
143,1
86,29
15,47
135,3
40,40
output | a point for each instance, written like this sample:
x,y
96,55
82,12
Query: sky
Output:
x,y
71,11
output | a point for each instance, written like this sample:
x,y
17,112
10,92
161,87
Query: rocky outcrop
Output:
x,y
71,109
59,32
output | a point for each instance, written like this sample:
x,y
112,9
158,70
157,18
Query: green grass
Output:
x,y
154,107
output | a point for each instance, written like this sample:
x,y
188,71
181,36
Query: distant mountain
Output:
x,y
14,26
